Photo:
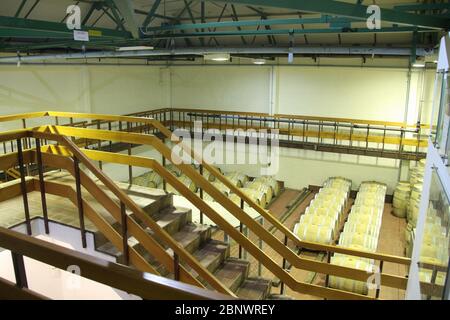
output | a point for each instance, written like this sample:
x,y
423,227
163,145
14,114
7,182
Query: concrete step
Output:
x,y
212,254
151,260
192,236
171,219
232,273
109,249
254,289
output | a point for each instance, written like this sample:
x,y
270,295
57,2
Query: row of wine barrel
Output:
x,y
261,190
322,218
434,247
153,180
407,195
361,232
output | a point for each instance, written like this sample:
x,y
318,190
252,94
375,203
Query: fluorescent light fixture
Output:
x,y
135,48
419,64
259,61
219,57
290,57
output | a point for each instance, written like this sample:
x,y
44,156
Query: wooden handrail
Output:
x,y
286,116
189,171
134,117
124,198
269,238
66,191
10,291
144,285
150,244
120,136
274,221
154,165
149,163
394,140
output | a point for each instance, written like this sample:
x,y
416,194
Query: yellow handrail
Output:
x,y
120,136
234,209
140,235
145,285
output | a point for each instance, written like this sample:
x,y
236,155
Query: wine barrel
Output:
x,y
259,186
361,228
400,200
218,185
208,175
186,181
313,233
346,284
238,178
322,211
325,221
272,182
140,181
153,180
257,196
364,240
174,170
365,219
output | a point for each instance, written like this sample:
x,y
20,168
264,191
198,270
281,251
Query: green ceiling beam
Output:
x,y
351,10
19,10
422,6
331,30
126,9
94,44
252,23
26,28
151,14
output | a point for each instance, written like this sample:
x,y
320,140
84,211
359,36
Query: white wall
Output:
x,y
366,93
234,88
373,94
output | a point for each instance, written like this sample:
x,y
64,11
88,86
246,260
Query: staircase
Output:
x,y
196,239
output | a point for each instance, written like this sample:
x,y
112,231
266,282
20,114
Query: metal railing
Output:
x,y
144,285
342,135
279,247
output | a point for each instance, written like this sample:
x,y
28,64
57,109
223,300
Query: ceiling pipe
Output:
x,y
203,51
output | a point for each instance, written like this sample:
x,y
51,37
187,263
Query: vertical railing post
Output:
x,y
176,267
261,248
110,142
201,194
377,294
80,201
327,277
42,184
130,168
19,270
241,226
99,146
164,180
26,145
23,186
284,266
126,255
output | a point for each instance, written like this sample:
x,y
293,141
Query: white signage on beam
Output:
x,y
79,35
